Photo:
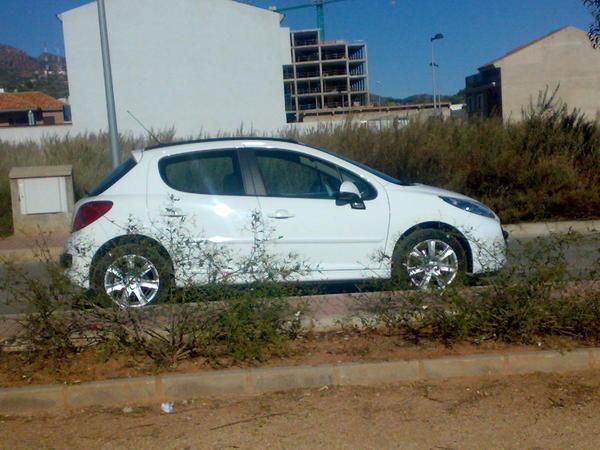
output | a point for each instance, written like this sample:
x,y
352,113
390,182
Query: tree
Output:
x,y
594,32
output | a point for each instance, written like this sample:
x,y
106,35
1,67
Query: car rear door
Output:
x,y
201,205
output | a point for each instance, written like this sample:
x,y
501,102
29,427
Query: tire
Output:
x,y
429,258
133,275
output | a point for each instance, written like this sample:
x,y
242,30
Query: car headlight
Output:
x,y
470,206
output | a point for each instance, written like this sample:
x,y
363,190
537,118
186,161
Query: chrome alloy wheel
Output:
x,y
131,281
432,263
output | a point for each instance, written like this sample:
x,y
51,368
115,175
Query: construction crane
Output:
x,y
318,4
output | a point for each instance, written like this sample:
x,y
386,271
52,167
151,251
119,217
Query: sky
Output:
x,y
397,33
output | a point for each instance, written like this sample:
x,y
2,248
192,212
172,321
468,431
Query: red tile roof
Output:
x,y
28,100
524,46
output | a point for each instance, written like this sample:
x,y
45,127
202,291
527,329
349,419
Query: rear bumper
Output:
x,y
66,260
76,259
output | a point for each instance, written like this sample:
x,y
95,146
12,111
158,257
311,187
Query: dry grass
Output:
x,y
88,153
545,167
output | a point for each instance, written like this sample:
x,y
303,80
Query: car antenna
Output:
x,y
152,135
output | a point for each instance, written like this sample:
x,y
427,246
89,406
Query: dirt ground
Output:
x,y
325,348
535,411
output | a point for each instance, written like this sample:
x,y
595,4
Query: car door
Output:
x,y
201,205
297,196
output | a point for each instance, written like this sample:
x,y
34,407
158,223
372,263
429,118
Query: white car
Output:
x,y
337,215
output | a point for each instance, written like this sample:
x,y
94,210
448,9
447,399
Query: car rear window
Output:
x,y
114,176
210,173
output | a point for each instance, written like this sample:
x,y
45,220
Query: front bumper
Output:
x,y
488,242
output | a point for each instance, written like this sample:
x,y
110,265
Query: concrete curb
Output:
x,y
524,230
153,390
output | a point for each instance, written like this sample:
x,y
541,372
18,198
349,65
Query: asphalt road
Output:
x,y
582,256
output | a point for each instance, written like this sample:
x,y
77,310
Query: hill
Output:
x,y
22,72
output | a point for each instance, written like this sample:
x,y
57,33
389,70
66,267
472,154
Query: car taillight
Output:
x,y
89,213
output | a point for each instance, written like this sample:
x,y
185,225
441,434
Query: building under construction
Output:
x,y
324,75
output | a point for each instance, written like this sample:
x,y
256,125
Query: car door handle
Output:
x,y
281,214
177,215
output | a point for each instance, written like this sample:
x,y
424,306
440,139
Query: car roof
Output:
x,y
237,139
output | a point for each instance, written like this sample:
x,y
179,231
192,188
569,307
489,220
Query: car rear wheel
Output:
x,y
429,259
133,275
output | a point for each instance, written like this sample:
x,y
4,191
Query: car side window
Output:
x,y
211,173
290,174
367,192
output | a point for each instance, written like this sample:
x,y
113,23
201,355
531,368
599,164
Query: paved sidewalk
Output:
x,y
525,230
19,249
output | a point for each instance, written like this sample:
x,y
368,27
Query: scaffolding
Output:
x,y
324,75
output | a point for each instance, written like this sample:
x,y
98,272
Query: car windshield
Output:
x,y
114,176
385,176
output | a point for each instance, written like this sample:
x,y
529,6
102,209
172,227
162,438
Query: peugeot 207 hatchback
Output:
x,y
333,213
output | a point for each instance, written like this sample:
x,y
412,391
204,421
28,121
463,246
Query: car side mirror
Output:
x,y
349,194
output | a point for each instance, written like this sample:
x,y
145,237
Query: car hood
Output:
x,y
425,189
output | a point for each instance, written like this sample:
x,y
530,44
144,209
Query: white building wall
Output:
x,y
200,66
565,60
38,133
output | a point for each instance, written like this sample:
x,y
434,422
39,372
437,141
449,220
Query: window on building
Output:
x,y
470,104
480,107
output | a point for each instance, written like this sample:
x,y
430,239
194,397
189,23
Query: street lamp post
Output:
x,y
379,93
108,85
433,65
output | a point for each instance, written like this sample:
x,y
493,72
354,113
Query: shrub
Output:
x,y
521,304
217,321
543,167
52,327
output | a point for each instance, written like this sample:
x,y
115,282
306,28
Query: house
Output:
x,y
30,108
198,66
563,60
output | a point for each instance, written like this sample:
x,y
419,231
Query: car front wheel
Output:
x,y
429,259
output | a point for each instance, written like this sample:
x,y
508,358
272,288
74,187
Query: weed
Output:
x,y
520,304
543,167
52,327
218,320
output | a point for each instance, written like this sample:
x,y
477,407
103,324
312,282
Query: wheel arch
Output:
x,y
128,239
434,225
